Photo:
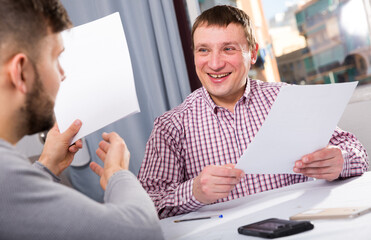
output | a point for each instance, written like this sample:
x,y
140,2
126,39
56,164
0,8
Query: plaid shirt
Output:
x,y
199,133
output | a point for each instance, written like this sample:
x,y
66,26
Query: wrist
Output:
x,y
44,160
197,191
109,172
39,165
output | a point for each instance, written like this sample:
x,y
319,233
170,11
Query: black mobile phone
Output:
x,y
274,228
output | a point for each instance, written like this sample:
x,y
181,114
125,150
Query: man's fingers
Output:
x,y
105,136
225,189
229,165
78,143
314,164
322,154
225,180
322,170
73,148
104,146
101,154
328,173
220,195
216,191
321,173
232,173
96,168
76,146
328,177
73,129
222,171
215,182
109,137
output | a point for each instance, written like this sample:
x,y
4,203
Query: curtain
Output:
x,y
159,70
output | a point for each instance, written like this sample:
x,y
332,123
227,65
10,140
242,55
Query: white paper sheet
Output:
x,y
99,88
301,121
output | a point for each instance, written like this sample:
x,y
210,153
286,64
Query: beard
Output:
x,y
38,111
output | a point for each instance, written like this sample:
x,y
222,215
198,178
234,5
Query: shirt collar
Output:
x,y
247,89
212,104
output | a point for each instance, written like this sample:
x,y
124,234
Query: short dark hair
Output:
x,y
23,23
222,16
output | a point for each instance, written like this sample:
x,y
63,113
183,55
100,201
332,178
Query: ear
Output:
x,y
254,54
21,72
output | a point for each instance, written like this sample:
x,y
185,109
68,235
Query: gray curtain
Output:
x,y
159,69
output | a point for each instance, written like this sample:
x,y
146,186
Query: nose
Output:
x,y
216,61
63,78
61,72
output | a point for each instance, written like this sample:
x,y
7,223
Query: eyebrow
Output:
x,y
222,44
230,43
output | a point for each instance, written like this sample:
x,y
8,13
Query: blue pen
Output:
x,y
198,218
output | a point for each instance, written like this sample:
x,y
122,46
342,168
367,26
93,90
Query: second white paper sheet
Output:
x,y
99,88
301,121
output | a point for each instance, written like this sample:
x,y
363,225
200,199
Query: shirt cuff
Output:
x,y
185,198
346,165
40,166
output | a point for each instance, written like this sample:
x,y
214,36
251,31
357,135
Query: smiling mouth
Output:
x,y
218,76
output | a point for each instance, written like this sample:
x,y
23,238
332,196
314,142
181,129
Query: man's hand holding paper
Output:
x,y
299,126
326,163
215,182
58,154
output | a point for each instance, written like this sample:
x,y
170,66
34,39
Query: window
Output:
x,y
337,41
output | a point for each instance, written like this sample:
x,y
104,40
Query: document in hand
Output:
x,y
99,88
301,121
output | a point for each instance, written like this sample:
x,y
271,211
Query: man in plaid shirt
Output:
x,y
191,153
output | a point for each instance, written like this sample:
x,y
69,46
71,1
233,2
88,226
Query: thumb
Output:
x,y
73,129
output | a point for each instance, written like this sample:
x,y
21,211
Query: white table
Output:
x,y
282,203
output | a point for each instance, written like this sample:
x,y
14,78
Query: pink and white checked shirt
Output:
x,y
198,133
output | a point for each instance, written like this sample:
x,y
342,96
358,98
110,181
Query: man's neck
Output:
x,y
228,102
9,137
8,128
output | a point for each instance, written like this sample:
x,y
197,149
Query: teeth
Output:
x,y
218,75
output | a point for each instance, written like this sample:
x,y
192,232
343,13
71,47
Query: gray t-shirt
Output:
x,y
33,207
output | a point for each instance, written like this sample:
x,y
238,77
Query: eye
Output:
x,y
229,48
202,50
